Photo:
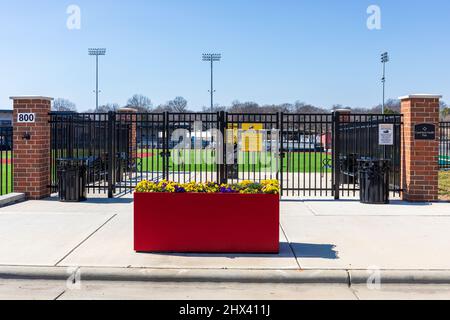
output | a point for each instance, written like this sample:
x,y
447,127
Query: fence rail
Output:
x,y
444,146
307,153
6,164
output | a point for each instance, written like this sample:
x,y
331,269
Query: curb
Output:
x,y
176,275
218,276
11,198
343,277
403,276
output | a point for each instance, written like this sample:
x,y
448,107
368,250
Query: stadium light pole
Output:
x,y
384,60
212,57
96,52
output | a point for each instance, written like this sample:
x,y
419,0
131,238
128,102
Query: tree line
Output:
x,y
143,104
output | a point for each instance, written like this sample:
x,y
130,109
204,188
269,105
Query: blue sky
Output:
x,y
318,51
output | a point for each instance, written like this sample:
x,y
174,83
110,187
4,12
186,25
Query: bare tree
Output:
x,y
179,104
216,108
140,102
108,107
301,107
445,111
163,108
244,107
392,106
61,105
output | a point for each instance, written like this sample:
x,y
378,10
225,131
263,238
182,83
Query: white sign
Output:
x,y
26,118
386,137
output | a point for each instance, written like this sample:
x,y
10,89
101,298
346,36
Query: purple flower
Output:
x,y
226,190
179,189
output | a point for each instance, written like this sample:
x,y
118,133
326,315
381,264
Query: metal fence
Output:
x,y
6,164
93,137
358,138
307,153
444,146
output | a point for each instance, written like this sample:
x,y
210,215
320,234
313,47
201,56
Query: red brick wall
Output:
x,y
127,115
32,157
420,169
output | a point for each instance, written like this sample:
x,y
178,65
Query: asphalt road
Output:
x,y
61,290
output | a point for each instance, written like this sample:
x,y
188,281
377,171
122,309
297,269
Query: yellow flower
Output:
x,y
245,187
246,183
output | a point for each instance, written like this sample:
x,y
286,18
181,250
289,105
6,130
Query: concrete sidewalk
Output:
x,y
347,238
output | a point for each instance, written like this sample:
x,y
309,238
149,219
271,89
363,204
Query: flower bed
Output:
x,y
244,187
207,217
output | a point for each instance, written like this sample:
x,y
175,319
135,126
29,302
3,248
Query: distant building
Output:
x,y
6,118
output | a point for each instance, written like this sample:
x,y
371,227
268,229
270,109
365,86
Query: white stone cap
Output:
x,y
127,110
31,98
421,96
343,110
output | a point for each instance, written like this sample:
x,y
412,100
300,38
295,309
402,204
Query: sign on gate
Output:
x,y
386,135
252,137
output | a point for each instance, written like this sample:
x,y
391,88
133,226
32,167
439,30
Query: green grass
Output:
x,y
6,179
6,174
444,185
195,161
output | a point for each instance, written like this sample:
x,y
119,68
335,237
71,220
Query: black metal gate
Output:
x,y
357,136
99,139
307,148
444,146
6,164
312,155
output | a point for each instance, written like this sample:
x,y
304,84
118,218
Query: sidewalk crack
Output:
x,y
311,209
290,247
59,295
86,239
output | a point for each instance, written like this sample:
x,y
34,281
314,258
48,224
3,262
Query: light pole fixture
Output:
x,y
212,57
96,52
384,60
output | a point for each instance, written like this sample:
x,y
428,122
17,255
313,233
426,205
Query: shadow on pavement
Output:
x,y
301,250
97,200
392,202
322,251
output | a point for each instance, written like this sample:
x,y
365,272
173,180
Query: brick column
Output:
x,y
32,147
420,154
128,115
345,115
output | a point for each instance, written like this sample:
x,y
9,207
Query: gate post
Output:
x,y
32,146
335,156
221,148
129,116
281,152
111,153
420,148
166,147
339,116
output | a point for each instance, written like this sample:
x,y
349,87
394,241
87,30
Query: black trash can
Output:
x,y
72,178
374,180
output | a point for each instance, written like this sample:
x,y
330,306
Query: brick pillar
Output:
x,y
32,146
128,115
345,115
420,152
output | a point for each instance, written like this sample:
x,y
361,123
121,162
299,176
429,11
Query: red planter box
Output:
x,y
206,223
